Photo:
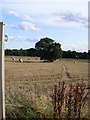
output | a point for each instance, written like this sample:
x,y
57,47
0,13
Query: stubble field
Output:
x,y
28,85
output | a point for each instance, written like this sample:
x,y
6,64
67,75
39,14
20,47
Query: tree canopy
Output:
x,y
48,49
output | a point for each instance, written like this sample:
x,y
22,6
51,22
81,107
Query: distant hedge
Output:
x,y
32,52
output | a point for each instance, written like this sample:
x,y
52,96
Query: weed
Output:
x,y
71,101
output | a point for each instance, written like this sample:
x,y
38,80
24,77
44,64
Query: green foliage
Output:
x,y
48,49
32,52
28,52
70,54
74,54
8,52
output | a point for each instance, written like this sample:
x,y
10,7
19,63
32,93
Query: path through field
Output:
x,y
35,79
65,75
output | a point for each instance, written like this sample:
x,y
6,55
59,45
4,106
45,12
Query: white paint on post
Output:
x,y
2,82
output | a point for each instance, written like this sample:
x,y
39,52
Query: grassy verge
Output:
x,y
18,106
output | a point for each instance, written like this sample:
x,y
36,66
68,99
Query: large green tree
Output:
x,y
48,49
32,52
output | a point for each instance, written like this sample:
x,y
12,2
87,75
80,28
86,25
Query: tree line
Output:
x,y
32,52
47,49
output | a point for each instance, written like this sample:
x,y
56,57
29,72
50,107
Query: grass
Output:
x,y
29,84
20,107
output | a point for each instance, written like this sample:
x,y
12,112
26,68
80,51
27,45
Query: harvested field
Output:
x,y
34,79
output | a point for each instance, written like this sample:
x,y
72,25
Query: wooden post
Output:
x,y
2,82
89,59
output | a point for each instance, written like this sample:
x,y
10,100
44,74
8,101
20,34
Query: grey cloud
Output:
x,y
26,26
71,17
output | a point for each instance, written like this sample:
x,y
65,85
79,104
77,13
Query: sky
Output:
x,y
27,21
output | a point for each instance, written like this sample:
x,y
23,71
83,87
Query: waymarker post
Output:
x,y
2,82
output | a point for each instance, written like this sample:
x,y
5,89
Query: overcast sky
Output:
x,y
27,21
